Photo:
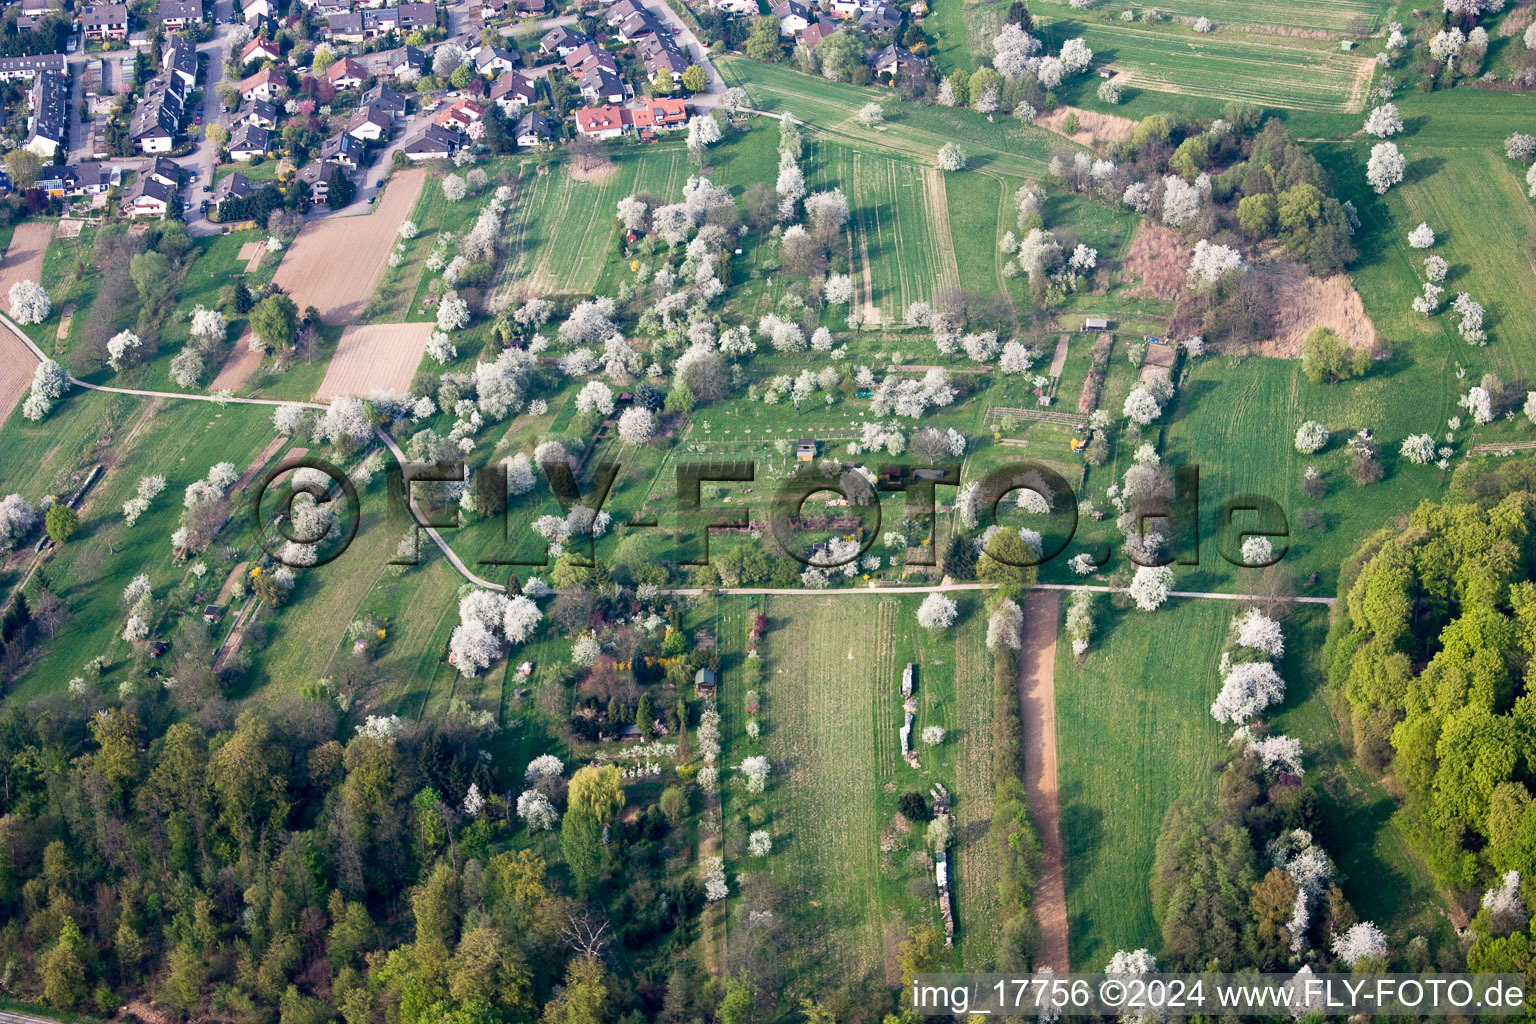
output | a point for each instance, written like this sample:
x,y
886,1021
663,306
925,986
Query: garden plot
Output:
x,y
376,357
335,263
24,257
561,228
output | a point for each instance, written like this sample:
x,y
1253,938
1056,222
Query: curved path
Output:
x,y
468,574
389,442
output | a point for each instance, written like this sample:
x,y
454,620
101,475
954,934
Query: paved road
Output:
x,y
202,159
692,49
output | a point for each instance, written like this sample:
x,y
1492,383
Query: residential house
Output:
x,y
150,196
317,174
180,13
164,170
346,28
660,114
249,142
528,8
638,26
370,124
660,53
896,61
390,63
561,41
260,48
15,68
154,126
513,90
180,59
89,179
737,8
492,60
105,21
818,30
602,122
460,115
346,74
597,74
408,17
358,26
261,112
792,15
263,85
236,186
343,149
616,14
534,129
431,143
257,9
385,97
48,123
884,20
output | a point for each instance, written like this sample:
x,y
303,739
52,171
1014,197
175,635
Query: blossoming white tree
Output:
x,y
1421,237
1149,587
1311,437
29,303
1385,167
637,425
1363,941
1246,690
937,612
1384,121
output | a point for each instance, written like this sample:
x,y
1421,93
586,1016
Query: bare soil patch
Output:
x,y
237,369
376,357
64,320
251,253
335,263
1037,705
936,195
1159,256
596,174
17,364
71,228
1059,357
1303,302
24,258
1092,126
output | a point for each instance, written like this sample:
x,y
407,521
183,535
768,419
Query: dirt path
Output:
x,y
1059,358
1037,705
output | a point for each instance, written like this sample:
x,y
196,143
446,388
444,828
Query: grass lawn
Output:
x,y
1349,18
831,714
179,440
911,130
1272,71
1134,733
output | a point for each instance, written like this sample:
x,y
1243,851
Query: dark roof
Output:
x,y
705,674
534,123
104,15
251,136
512,83
559,36
432,139
236,186
385,96
155,189
264,109
187,10
882,19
